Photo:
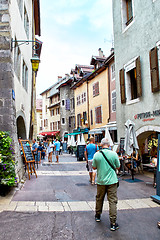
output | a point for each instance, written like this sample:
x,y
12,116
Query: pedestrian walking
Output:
x,y
35,149
106,162
90,150
49,150
57,149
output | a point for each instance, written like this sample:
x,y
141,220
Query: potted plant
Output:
x,y
7,164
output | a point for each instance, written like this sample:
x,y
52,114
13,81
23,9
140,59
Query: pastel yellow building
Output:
x,y
98,98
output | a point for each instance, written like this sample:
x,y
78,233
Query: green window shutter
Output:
x,y
138,77
122,85
154,69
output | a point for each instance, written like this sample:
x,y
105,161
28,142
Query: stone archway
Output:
x,y
147,130
143,133
21,128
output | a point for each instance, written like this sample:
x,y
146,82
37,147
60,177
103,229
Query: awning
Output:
x,y
97,130
70,134
49,133
112,126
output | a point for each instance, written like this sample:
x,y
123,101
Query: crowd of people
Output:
x,y
47,148
105,163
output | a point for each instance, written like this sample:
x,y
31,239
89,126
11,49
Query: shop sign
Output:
x,y
148,116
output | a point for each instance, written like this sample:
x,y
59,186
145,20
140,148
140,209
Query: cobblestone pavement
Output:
x,y
60,204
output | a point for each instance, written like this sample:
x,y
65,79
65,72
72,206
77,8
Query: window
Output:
x,y
91,117
63,121
79,123
154,69
45,122
58,125
84,117
96,89
67,106
20,5
63,103
70,122
127,12
25,76
46,108
98,114
113,71
52,113
79,100
57,111
17,60
83,97
114,101
72,103
51,127
130,81
26,22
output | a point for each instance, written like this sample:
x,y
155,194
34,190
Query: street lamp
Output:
x,y
35,62
35,59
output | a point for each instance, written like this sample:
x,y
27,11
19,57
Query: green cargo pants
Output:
x,y
111,191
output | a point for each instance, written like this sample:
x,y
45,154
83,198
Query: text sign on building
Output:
x,y
148,116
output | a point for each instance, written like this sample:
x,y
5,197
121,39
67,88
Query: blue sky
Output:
x,y
71,32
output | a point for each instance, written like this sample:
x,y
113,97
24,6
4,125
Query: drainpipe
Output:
x,y
88,106
109,95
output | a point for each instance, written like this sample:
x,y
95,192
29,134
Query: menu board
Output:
x,y
122,145
80,151
27,150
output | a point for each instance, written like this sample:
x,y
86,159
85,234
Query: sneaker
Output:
x,y
114,226
98,218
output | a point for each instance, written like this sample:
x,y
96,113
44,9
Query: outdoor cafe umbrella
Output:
x,y
130,142
69,141
78,140
108,136
73,143
82,140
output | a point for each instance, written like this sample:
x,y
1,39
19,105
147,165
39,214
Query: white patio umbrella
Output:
x,y
78,140
69,141
82,140
130,141
108,136
73,143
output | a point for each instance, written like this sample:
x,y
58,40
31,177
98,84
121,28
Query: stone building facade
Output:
x,y
136,44
17,22
67,108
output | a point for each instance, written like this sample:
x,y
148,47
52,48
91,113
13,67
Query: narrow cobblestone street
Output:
x,y
60,204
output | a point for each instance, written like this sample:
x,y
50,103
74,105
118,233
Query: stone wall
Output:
x,y
7,102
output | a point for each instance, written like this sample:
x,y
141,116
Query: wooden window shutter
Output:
x,y
122,85
138,77
154,69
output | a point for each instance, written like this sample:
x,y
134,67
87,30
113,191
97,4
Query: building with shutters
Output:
x,y
136,27
67,107
51,111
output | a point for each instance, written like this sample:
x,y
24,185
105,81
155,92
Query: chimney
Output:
x,y
67,76
100,52
59,78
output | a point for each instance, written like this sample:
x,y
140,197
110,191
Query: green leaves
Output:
x,y
7,163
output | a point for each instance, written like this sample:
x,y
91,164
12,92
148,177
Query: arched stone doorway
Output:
x,y
21,128
147,136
